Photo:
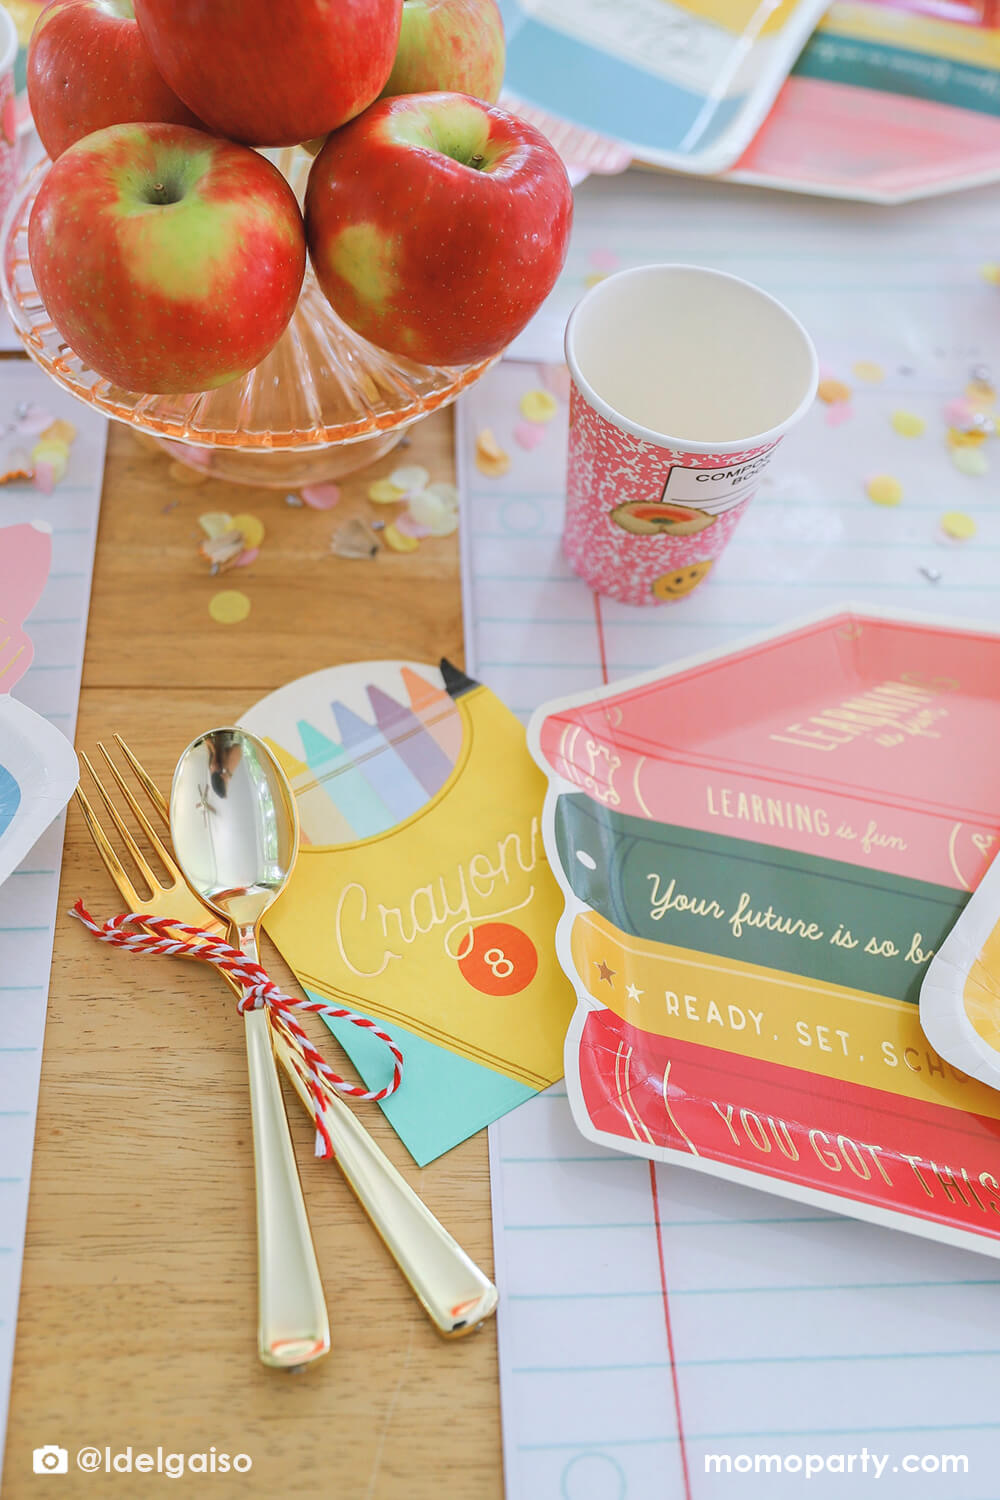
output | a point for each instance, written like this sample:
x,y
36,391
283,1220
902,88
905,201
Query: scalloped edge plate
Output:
x,y
43,763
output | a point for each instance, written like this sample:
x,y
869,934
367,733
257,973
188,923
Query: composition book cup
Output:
x,y
684,381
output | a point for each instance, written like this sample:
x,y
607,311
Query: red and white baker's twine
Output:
x,y
259,993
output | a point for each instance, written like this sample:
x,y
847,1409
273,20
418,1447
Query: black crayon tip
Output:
x,y
455,681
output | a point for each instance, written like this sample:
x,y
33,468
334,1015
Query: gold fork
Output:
x,y
456,1295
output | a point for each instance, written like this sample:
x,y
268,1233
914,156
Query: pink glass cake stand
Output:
x,y
323,403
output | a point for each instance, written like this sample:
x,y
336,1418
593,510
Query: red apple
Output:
x,y
456,45
89,67
169,260
437,225
273,72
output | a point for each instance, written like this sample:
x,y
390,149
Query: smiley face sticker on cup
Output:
x,y
681,581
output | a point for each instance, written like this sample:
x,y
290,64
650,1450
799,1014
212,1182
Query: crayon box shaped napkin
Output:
x,y
760,853
422,895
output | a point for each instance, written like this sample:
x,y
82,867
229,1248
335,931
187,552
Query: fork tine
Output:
x,y
129,841
140,817
112,863
148,784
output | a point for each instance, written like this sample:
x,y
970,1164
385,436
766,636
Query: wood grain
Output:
x,y
138,1300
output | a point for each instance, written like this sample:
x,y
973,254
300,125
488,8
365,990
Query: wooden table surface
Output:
x,y
138,1305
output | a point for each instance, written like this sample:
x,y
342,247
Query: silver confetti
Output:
x,y
933,575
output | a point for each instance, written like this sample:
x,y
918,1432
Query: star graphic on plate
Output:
x,y
605,973
633,993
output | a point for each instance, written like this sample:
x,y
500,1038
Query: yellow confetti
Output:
x,y
907,423
971,461
215,523
490,457
184,474
411,478
229,607
538,406
980,395
956,438
990,272
594,278
384,492
59,431
867,369
395,539
884,489
251,529
833,391
955,523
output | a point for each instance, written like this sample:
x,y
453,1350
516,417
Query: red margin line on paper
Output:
x,y
682,1446
599,622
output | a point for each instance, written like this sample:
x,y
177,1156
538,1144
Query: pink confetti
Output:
x,y
321,496
959,413
247,556
556,378
45,477
840,411
604,260
529,434
408,525
33,420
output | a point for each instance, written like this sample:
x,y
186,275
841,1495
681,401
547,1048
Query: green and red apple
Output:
x,y
437,225
169,260
452,45
272,72
88,67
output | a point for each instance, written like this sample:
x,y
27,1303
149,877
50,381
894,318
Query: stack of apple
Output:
x,y
170,253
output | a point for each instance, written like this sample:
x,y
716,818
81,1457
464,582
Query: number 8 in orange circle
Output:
x,y
502,960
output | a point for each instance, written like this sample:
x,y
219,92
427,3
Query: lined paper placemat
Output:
x,y
57,627
651,1318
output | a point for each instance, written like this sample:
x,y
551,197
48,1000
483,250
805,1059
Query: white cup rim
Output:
x,y
663,440
8,46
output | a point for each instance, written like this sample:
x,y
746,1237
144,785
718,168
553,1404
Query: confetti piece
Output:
x,y
981,373
956,438
229,607
971,461
490,457
222,552
247,556
408,525
604,260
59,431
528,435
16,468
321,496
410,478
437,509
181,474
295,501
384,492
215,523
31,420
884,489
980,395
867,369
50,461
833,391
594,278
250,528
958,413
839,413
395,539
933,575
557,379
44,477
354,540
990,272
538,406
958,525
907,423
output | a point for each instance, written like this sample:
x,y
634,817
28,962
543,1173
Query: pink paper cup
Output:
x,y
684,381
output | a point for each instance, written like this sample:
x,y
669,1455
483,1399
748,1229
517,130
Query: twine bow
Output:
x,y
176,939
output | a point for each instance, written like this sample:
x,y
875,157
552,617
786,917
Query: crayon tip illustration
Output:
x,y
455,680
411,739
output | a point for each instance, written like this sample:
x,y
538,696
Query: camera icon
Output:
x,y
50,1460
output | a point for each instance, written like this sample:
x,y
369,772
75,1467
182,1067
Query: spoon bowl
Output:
x,y
234,825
